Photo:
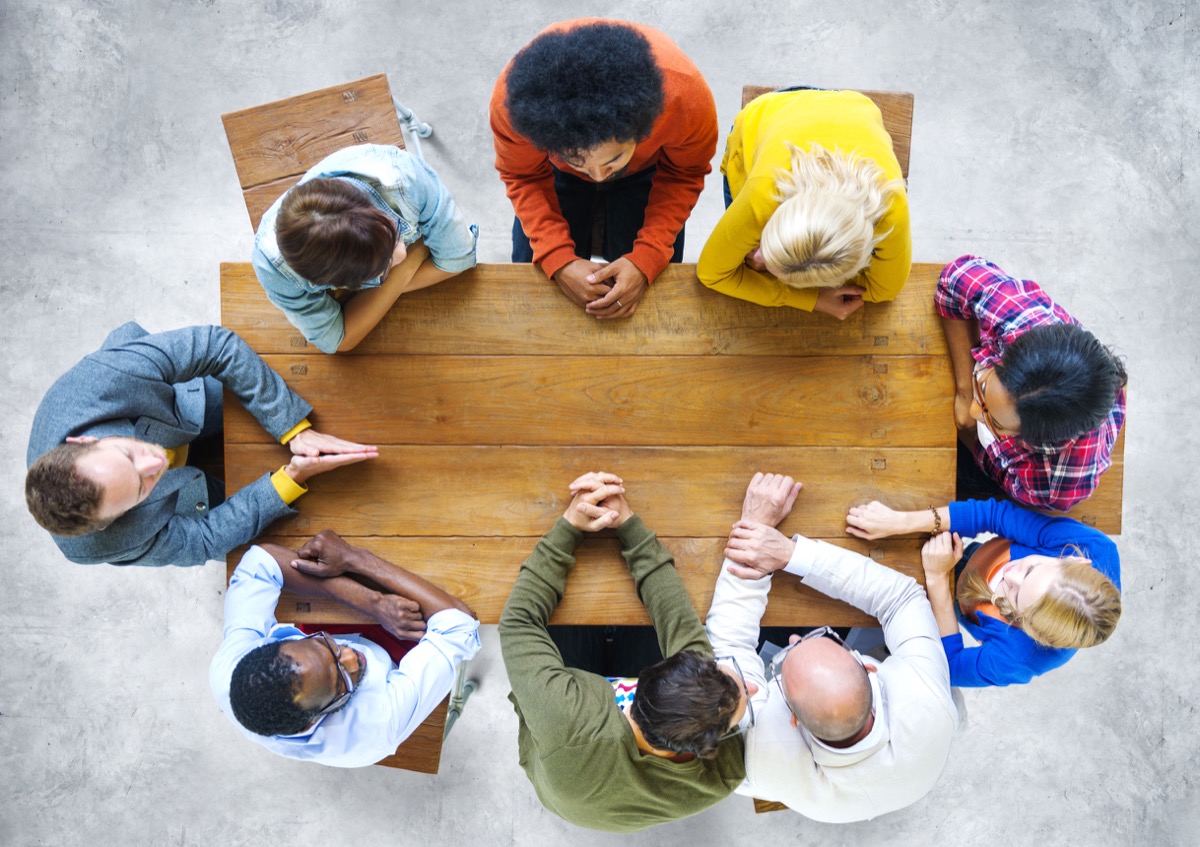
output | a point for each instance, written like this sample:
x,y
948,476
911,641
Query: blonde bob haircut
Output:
x,y
1079,609
823,232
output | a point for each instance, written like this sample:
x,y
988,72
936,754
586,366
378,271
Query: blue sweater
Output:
x,y
1006,655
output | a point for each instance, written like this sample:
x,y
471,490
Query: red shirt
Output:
x,y
681,144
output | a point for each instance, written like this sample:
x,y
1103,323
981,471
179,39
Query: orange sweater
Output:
x,y
682,144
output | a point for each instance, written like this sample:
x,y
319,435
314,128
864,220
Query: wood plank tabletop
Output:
x,y
489,393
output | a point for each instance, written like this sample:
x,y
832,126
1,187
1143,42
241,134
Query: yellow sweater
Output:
x,y
757,149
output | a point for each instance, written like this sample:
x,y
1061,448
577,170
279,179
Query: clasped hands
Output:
x,y
597,502
315,452
328,556
610,290
755,548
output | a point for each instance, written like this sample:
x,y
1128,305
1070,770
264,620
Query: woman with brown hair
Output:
x,y
372,221
1041,589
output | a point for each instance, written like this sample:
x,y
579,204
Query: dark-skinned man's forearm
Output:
x,y
398,580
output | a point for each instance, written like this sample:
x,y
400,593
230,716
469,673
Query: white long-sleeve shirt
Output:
x,y
390,701
916,715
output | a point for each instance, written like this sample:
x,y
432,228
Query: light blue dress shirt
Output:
x,y
390,702
399,184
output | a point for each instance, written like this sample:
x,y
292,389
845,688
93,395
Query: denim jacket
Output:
x,y
402,186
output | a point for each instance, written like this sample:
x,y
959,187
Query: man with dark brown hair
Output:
x,y
108,474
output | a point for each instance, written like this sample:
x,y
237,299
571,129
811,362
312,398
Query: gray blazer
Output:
x,y
151,387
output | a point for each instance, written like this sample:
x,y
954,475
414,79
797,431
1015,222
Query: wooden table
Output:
x,y
489,393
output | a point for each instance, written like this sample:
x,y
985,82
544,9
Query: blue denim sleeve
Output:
x,y
317,315
450,240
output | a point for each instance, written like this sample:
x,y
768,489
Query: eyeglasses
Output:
x,y
775,668
979,387
347,680
737,730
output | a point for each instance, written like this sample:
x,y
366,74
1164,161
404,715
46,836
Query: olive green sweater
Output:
x,y
575,744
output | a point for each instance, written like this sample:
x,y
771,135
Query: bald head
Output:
x,y
828,690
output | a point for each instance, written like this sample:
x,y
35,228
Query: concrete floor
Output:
x,y
1062,144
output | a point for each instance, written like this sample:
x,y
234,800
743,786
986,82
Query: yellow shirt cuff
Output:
x,y
800,298
286,487
294,431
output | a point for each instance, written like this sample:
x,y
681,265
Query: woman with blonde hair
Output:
x,y
1031,596
816,214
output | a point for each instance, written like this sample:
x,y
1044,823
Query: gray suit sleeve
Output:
x,y
183,354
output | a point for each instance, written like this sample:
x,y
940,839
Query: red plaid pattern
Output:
x,y
1055,476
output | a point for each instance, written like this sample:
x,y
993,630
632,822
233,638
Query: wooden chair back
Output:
x,y
897,108
274,144
421,751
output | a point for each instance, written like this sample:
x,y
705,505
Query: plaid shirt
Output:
x,y
1054,476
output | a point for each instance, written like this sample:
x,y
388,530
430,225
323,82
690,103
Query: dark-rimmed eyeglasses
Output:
x,y
979,386
737,730
775,668
343,698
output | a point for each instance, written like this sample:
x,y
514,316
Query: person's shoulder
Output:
x,y
123,543
915,693
128,331
684,87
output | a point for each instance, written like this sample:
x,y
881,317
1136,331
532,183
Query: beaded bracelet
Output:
x,y
937,521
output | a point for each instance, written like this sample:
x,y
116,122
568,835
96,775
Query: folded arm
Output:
x,y
678,180
891,260
529,180
722,265
328,556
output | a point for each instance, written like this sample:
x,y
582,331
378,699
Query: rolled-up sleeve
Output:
x,y
450,239
426,673
249,616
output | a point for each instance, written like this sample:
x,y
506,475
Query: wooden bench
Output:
x,y
274,144
896,106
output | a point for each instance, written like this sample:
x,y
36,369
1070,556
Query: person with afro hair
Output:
x,y
596,112
346,701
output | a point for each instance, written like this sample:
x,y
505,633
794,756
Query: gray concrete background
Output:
x,y
1059,140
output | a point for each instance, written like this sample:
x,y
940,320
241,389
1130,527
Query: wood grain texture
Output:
x,y
275,143
764,806
896,106
421,751
520,491
259,198
599,591
504,310
898,401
